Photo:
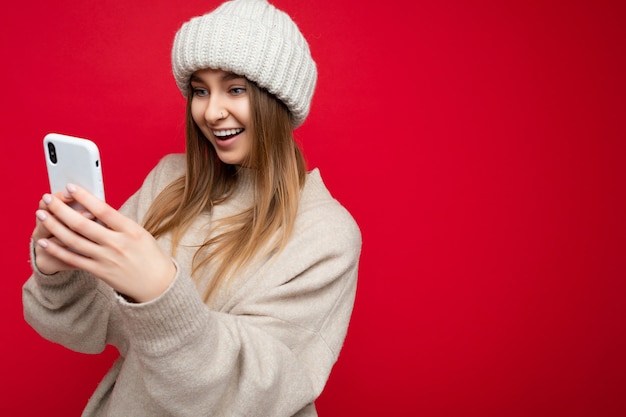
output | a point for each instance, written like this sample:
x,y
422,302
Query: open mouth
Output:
x,y
226,133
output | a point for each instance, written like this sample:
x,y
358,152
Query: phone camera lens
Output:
x,y
52,152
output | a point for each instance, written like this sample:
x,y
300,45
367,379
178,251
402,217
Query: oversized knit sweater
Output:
x,y
263,347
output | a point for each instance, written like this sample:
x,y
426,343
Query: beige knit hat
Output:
x,y
254,39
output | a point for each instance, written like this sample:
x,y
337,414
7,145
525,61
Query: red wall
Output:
x,y
480,146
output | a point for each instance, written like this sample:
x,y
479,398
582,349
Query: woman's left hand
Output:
x,y
122,253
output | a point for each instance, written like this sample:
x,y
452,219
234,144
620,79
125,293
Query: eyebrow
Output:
x,y
230,76
226,77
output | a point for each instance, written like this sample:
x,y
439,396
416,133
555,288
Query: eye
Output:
x,y
236,91
199,92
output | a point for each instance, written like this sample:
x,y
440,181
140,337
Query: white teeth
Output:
x,y
228,132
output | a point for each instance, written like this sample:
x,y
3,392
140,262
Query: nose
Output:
x,y
215,110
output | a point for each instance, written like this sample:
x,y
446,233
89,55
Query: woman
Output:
x,y
227,280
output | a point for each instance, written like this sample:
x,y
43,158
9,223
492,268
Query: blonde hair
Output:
x,y
261,230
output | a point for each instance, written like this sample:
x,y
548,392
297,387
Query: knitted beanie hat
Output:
x,y
253,39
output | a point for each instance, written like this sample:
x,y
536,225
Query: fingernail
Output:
x,y
71,188
43,243
47,198
41,215
88,215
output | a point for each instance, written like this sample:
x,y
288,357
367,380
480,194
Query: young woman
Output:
x,y
227,280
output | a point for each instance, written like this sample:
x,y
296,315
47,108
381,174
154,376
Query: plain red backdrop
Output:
x,y
479,145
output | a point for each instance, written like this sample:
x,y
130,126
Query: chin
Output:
x,y
232,161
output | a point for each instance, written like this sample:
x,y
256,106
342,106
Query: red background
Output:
x,y
479,145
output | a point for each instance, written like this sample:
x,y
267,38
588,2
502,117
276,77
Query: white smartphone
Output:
x,y
73,160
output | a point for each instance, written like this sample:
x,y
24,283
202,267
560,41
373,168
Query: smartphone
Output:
x,y
70,159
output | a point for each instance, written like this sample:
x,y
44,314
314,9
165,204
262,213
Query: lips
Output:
x,y
226,134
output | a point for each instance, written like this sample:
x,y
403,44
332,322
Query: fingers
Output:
x,y
66,227
75,229
123,255
47,263
40,231
60,228
101,210
64,196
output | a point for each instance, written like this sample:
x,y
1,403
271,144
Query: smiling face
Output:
x,y
220,106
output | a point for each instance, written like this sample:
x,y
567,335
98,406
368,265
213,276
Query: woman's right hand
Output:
x,y
46,263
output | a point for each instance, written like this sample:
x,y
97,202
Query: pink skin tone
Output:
x,y
221,108
122,253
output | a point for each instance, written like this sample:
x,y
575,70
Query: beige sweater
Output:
x,y
264,347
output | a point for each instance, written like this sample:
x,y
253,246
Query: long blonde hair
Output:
x,y
262,229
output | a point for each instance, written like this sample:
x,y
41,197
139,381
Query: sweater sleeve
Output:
x,y
74,308
268,355
71,308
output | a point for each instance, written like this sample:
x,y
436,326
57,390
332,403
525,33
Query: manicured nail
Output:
x,y
71,188
47,198
88,215
43,243
41,215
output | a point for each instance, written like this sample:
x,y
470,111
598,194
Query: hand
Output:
x,y
122,253
46,263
